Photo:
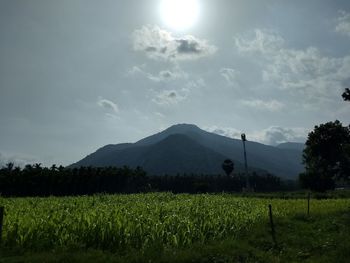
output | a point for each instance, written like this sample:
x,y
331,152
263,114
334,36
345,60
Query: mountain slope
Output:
x,y
175,154
178,153
292,146
282,162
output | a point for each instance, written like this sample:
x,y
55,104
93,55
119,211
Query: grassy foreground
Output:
x,y
174,228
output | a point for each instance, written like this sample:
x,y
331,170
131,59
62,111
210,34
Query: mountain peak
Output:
x,y
183,127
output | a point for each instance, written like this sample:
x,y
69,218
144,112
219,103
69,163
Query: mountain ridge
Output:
x,y
150,151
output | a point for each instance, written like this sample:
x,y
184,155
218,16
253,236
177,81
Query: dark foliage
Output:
x,y
35,180
326,156
228,166
346,94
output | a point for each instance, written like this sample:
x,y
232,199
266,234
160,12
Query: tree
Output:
x,y
228,166
346,94
53,168
10,166
326,156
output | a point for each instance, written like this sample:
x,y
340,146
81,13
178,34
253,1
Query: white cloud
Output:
x,y
195,84
159,115
167,75
271,105
18,159
136,70
271,136
275,135
160,44
224,131
343,23
170,97
162,76
304,72
230,75
264,41
108,105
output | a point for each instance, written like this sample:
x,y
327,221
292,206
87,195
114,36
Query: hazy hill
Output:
x,y
292,146
185,148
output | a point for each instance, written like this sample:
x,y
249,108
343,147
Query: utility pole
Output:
x,y
245,162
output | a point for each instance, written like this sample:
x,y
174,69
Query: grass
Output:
x,y
324,236
333,194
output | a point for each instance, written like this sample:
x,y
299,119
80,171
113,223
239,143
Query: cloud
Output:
x,y
271,105
230,75
170,97
162,76
167,75
195,84
190,45
304,72
273,135
159,115
224,131
343,23
18,159
160,44
108,105
136,70
263,41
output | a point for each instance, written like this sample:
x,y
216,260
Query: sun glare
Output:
x,y
179,14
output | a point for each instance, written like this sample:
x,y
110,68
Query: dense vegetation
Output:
x,y
34,180
151,225
326,156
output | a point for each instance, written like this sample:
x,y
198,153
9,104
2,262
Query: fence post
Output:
x,y
272,225
1,221
308,204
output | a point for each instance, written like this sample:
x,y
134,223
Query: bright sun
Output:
x,y
179,14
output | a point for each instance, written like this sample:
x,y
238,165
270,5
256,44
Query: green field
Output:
x,y
166,227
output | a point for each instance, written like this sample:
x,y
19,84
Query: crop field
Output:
x,y
119,222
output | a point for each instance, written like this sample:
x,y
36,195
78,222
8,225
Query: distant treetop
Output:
x,y
346,94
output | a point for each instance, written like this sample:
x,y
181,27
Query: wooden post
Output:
x,y
308,204
1,221
272,225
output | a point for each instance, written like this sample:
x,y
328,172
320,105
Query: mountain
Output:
x,y
292,146
185,148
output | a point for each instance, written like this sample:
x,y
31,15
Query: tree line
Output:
x,y
35,180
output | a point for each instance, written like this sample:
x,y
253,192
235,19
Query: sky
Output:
x,y
76,75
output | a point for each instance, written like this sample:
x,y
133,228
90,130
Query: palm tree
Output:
x,y
37,166
28,167
53,168
17,169
9,166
